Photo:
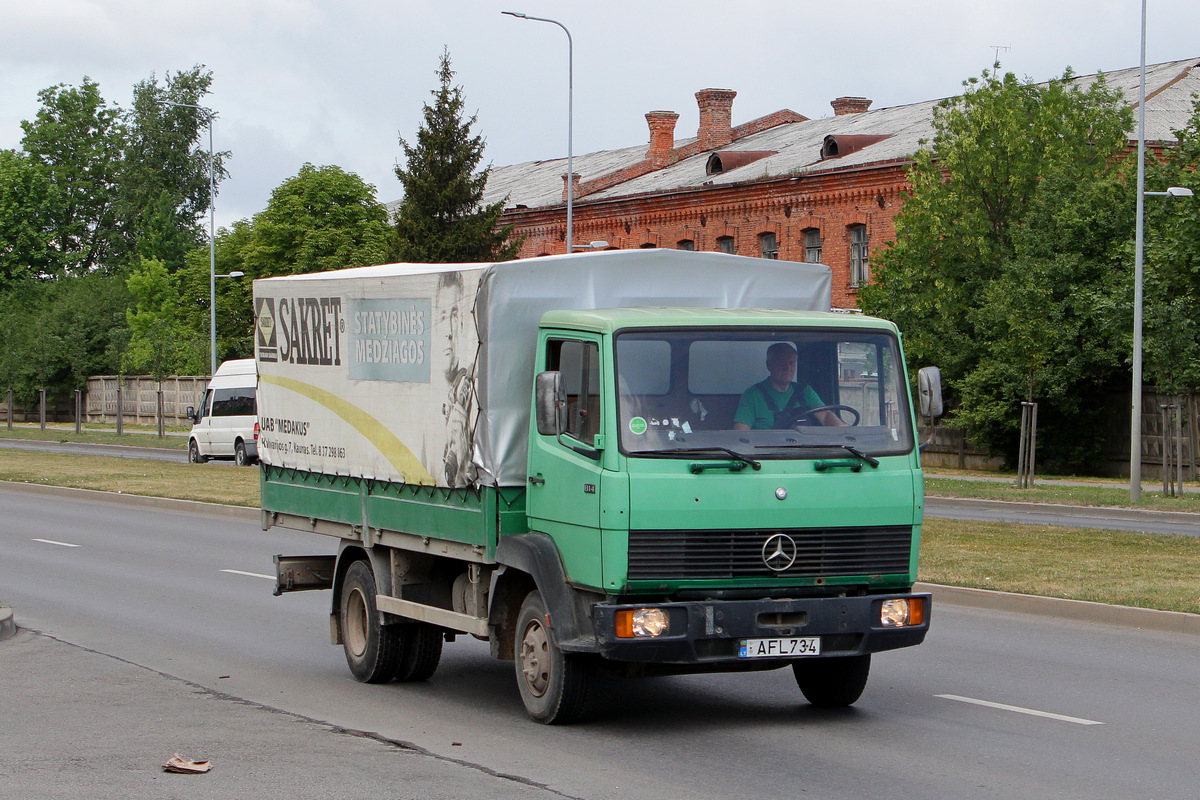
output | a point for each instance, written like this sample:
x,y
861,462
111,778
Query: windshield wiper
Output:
x,y
731,453
851,449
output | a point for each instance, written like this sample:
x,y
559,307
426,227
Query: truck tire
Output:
x,y
421,652
832,682
239,454
194,453
553,684
373,651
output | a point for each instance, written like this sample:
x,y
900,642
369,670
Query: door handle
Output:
x,y
536,480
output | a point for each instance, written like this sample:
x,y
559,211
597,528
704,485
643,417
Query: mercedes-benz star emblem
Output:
x,y
779,552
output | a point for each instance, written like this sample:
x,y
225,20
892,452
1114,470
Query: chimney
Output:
x,y
575,186
716,117
662,137
850,105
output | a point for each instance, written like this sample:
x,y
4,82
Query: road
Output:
x,y
124,451
995,704
1104,518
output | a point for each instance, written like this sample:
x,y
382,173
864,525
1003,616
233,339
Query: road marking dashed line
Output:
x,y
1018,709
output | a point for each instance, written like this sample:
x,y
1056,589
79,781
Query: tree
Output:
x,y
160,344
78,138
1172,267
1008,268
164,178
440,219
26,211
323,218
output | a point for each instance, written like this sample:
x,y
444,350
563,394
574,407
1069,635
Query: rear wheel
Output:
x,y
421,651
832,682
194,453
239,454
373,651
553,684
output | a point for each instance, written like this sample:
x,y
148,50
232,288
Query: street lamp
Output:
x,y
1135,417
570,116
212,242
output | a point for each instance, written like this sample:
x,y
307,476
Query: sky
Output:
x,y
326,82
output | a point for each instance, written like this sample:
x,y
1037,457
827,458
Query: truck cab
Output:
x,y
713,542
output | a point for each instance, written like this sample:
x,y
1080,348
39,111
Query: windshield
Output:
x,y
778,393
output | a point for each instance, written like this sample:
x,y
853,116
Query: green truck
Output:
x,y
628,463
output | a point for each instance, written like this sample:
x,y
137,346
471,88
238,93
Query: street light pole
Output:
x,y
212,242
570,118
1135,414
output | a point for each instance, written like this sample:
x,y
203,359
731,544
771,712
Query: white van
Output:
x,y
226,424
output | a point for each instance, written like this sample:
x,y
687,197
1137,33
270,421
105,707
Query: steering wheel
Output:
x,y
809,417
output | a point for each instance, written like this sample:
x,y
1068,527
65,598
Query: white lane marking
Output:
x,y
249,574
1030,711
60,544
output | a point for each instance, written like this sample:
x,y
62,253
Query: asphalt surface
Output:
x,y
178,647
120,450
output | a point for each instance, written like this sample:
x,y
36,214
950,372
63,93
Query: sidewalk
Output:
x,y
82,724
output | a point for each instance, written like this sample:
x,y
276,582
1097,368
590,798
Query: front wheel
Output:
x,y
832,682
373,651
194,455
553,684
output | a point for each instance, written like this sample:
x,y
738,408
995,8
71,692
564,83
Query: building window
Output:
x,y
725,244
685,244
770,246
860,271
647,246
812,245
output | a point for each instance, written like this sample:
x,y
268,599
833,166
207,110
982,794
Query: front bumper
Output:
x,y
709,631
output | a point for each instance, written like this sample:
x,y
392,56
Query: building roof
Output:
x,y
794,146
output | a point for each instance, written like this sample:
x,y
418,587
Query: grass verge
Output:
x,y
1105,496
1132,569
209,483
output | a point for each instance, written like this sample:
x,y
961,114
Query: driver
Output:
x,y
778,401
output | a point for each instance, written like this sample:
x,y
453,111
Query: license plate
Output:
x,y
786,647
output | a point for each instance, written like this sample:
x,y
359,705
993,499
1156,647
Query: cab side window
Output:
x,y
579,363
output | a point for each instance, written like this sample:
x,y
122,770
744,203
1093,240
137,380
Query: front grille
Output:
x,y
723,554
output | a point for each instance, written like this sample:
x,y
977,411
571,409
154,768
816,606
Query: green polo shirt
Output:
x,y
753,410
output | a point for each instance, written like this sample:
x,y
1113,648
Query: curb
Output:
x,y
1076,610
7,625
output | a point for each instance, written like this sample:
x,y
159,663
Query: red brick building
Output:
x,y
780,186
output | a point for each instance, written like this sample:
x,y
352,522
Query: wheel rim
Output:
x,y
194,452
535,658
356,623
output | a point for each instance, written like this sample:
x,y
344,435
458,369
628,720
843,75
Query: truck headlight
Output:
x,y
901,612
642,622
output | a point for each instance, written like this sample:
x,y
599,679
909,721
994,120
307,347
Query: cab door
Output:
x,y
563,497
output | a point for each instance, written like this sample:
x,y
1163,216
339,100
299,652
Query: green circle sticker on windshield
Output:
x,y
637,426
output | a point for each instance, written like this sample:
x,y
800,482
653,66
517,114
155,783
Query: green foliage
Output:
x,y
323,218
26,211
1010,269
57,333
160,344
1172,266
78,138
440,219
164,179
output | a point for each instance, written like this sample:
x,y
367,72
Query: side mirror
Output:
x,y
550,403
191,413
929,388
